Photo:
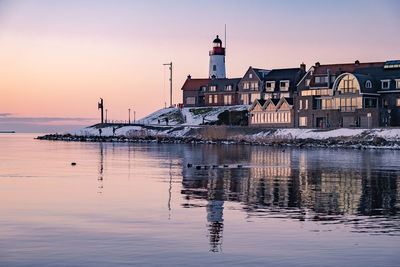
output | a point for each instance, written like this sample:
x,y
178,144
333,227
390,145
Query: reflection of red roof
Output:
x,y
195,84
340,68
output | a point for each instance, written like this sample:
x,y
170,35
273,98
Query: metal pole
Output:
x,y
170,82
134,116
106,115
129,116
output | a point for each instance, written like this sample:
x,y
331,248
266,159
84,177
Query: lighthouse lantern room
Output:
x,y
217,60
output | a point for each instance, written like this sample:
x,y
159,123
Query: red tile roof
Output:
x,y
348,67
195,84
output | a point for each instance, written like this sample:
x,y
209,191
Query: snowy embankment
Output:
x,y
185,126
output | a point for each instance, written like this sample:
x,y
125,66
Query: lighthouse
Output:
x,y
217,60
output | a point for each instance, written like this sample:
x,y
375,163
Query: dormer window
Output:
x,y
203,88
213,88
284,85
270,86
321,79
251,76
228,88
368,84
385,84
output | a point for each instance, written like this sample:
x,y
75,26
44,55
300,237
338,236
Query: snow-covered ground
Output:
x,y
187,116
181,121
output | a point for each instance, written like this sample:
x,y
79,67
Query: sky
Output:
x,y
59,57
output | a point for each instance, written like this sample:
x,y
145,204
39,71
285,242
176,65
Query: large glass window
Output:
x,y
210,99
227,99
245,99
348,84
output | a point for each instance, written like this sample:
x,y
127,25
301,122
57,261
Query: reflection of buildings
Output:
x,y
298,184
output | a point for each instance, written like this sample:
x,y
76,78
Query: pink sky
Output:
x,y
59,57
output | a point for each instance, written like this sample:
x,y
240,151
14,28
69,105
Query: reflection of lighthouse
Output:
x,y
215,210
217,60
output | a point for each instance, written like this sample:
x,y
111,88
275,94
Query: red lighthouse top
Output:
x,y
217,47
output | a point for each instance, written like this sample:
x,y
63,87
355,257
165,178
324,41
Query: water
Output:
x,y
139,204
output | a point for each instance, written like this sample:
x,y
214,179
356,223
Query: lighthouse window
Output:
x,y
214,67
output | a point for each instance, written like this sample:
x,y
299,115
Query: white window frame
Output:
x,y
272,88
250,75
368,84
287,83
383,81
397,83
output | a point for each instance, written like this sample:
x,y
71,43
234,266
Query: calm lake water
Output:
x,y
139,204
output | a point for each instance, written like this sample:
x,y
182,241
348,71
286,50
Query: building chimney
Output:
x,y
357,62
189,77
303,66
317,64
328,71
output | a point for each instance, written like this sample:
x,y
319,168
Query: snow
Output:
x,y
178,127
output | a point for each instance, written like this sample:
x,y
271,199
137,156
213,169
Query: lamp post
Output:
x,y
129,116
106,116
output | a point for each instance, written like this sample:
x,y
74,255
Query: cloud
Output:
x,y
5,114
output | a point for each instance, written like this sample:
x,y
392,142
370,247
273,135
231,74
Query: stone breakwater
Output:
x,y
355,142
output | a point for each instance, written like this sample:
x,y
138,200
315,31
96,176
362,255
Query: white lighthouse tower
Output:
x,y
217,60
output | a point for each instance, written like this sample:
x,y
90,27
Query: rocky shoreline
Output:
x,y
332,142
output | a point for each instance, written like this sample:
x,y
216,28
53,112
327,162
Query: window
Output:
x,y
203,88
348,84
368,84
398,102
306,107
214,67
270,86
284,85
228,88
303,121
397,83
307,82
320,79
190,100
250,75
246,85
245,99
370,102
333,77
300,104
385,84
348,104
227,100
213,88
216,99
210,99
254,86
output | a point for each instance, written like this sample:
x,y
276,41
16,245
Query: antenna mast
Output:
x,y
170,82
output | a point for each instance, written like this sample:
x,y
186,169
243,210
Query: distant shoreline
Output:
x,y
225,135
7,131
